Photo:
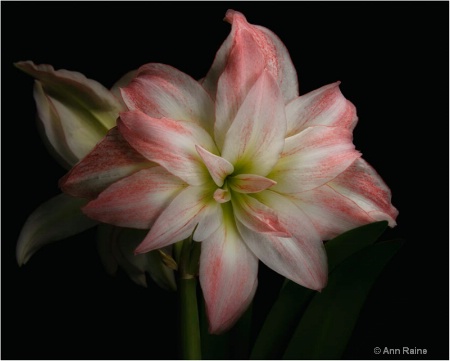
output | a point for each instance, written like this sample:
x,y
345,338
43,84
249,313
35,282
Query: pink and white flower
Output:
x,y
239,159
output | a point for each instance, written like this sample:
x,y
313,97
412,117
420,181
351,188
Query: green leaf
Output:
x,y
240,336
328,322
293,299
348,243
281,322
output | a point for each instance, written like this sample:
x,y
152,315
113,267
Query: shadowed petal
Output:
x,y
58,218
238,64
228,276
112,159
136,266
74,112
86,94
177,222
170,143
301,258
312,158
121,83
362,184
324,106
256,138
54,137
161,91
135,201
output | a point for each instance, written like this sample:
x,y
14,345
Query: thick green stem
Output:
x,y
190,331
190,325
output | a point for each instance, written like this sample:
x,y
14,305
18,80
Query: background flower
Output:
x,y
74,113
382,74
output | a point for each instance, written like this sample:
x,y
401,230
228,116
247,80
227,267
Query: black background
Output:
x,y
392,59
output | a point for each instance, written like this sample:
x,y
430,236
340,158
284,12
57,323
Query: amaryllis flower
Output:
x,y
238,160
74,114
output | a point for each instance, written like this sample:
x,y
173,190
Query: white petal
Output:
x,y
257,216
324,106
228,276
312,158
170,143
256,138
161,91
250,183
217,166
302,257
177,222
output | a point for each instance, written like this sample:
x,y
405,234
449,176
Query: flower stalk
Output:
x,y
187,285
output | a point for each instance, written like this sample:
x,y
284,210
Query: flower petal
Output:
x,y
135,201
58,218
331,212
312,158
179,219
112,159
301,258
256,138
238,64
362,184
121,83
257,216
324,106
161,91
250,183
76,112
217,166
170,143
228,276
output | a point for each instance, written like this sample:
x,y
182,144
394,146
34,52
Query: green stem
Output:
x,y
190,325
190,331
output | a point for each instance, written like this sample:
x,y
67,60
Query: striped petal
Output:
x,y
228,276
312,158
239,63
161,91
250,183
190,208
361,184
136,201
324,106
58,218
257,216
111,160
331,212
170,143
302,257
256,138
